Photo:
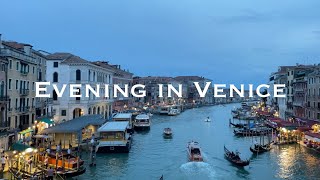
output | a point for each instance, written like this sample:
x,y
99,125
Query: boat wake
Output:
x,y
197,170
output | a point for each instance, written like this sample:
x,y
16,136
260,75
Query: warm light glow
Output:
x,y
14,152
28,150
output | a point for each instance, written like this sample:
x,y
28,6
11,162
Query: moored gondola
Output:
x,y
257,148
235,158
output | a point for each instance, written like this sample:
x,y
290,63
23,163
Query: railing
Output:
x,y
23,109
24,73
24,92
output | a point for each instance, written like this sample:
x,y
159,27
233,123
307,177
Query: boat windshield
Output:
x,y
195,151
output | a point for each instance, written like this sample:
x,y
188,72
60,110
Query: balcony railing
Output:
x,y
23,109
23,73
24,92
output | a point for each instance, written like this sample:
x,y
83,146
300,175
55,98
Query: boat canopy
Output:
x,y
123,116
114,126
142,116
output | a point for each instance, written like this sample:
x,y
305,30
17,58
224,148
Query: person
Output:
x,y
48,150
69,152
3,162
46,160
2,150
58,148
50,173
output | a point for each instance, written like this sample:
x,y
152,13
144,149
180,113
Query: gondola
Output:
x,y
257,148
235,158
239,125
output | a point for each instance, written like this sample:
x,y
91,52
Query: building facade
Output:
x,y
313,95
120,77
66,68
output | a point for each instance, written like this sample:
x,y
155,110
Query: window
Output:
x,y
89,75
78,93
3,67
17,66
9,121
78,74
9,85
55,77
17,84
55,64
32,86
10,64
33,70
63,112
54,95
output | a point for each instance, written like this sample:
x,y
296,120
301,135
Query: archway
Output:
x,y
77,112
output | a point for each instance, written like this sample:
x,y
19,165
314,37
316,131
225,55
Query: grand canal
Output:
x,y
152,155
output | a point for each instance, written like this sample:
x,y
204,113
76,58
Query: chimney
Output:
x,y
27,48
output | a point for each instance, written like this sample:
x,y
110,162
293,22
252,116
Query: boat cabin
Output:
x,y
114,137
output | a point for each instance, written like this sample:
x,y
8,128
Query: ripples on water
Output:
x,y
152,155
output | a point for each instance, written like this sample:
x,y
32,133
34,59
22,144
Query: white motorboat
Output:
x,y
194,151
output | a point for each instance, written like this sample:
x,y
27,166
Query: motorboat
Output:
x,y
207,119
173,112
167,132
194,151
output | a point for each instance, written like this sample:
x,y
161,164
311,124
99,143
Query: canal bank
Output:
x,y
152,156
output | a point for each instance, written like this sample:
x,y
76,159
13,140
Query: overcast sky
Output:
x,y
226,41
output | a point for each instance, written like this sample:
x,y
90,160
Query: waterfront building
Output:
x,y
4,125
25,67
120,77
313,95
192,94
66,68
295,72
300,92
152,90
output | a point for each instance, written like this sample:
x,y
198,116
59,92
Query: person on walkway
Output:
x,y
50,173
3,162
46,160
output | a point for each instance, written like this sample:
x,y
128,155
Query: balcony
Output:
x,y
24,92
23,109
23,73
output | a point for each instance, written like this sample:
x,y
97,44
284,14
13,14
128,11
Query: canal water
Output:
x,y
152,156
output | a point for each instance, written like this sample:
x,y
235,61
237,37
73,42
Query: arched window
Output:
x,y
55,77
54,95
89,111
98,110
78,74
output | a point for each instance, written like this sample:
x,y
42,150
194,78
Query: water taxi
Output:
x,y
142,122
194,151
173,112
167,133
114,137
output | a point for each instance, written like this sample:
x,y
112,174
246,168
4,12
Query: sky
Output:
x,y
228,41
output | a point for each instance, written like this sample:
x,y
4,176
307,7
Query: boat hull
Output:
x,y
115,149
141,128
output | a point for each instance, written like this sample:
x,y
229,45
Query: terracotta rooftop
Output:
x,y
66,57
15,45
189,78
59,55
